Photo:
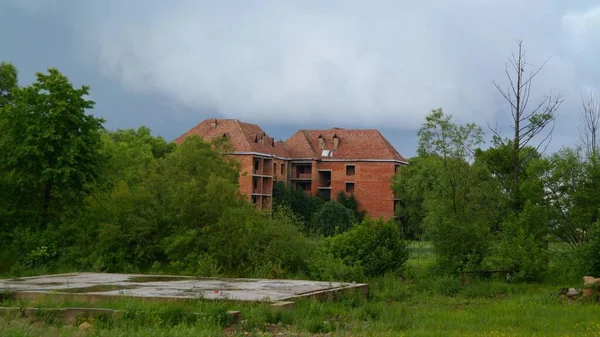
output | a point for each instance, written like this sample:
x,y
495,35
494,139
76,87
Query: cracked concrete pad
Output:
x,y
174,287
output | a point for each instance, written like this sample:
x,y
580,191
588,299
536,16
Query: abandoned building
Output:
x,y
322,162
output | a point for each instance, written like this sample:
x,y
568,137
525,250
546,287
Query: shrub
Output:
x,y
371,248
590,253
350,202
523,245
333,218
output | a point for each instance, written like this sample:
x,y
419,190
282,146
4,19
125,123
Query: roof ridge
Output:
x,y
315,153
239,125
389,146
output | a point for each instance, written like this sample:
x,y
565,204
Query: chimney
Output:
x,y
321,142
213,122
336,142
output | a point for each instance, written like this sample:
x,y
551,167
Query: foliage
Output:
x,y
456,199
590,252
8,82
371,248
349,201
523,244
303,205
50,146
333,218
410,183
571,183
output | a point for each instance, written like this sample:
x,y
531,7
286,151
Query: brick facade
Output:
x,y
324,162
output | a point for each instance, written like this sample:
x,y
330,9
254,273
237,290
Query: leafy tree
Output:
x,y
121,223
411,183
299,202
371,248
461,204
350,202
49,144
571,186
333,218
8,82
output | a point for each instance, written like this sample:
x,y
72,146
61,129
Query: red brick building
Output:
x,y
358,161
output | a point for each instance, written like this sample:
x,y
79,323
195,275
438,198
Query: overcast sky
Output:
x,y
287,65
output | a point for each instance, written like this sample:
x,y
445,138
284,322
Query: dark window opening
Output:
x,y
350,170
303,186
274,168
282,169
324,178
304,171
349,187
324,194
256,166
255,185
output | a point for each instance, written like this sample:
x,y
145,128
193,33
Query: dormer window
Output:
x,y
321,142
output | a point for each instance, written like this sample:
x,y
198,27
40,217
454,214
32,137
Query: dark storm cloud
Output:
x,y
298,64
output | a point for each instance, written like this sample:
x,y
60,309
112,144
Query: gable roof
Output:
x,y
244,137
353,144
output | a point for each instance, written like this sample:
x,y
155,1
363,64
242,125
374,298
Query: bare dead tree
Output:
x,y
589,122
527,122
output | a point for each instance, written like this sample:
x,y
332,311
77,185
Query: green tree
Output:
x,y
371,248
8,82
411,183
333,218
571,186
350,202
50,144
303,206
121,226
461,204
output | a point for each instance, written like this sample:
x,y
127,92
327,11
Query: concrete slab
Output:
x,y
101,285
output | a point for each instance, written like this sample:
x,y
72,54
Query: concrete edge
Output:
x,y
333,293
70,315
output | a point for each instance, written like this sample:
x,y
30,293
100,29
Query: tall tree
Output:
x,y
49,143
8,82
460,204
590,122
528,122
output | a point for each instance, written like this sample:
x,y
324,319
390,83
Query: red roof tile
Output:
x,y
244,137
353,144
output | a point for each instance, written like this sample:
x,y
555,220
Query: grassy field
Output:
x,y
413,304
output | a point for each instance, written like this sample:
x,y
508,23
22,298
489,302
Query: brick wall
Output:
x,y
371,185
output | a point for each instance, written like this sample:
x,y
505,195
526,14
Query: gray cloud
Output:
x,y
372,64
343,61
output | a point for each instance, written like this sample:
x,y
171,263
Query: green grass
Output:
x,y
412,303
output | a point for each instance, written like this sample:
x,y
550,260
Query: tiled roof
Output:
x,y
353,144
244,137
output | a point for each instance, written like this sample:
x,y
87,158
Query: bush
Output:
x,y
333,218
371,248
523,245
590,253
